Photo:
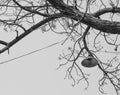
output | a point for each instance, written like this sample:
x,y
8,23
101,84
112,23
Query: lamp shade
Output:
x,y
89,62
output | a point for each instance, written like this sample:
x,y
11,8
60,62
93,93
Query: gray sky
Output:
x,y
37,74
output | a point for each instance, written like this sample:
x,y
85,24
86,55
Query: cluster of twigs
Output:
x,y
75,21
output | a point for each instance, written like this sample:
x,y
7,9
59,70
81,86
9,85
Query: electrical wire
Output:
x,y
31,52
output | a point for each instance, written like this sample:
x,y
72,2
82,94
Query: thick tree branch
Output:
x,y
91,20
34,27
112,27
106,26
58,4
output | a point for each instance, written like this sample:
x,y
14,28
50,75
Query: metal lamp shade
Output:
x,y
89,62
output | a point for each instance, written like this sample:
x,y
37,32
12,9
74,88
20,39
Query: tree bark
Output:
x,y
92,20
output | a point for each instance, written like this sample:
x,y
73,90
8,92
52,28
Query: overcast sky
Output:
x,y
37,74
